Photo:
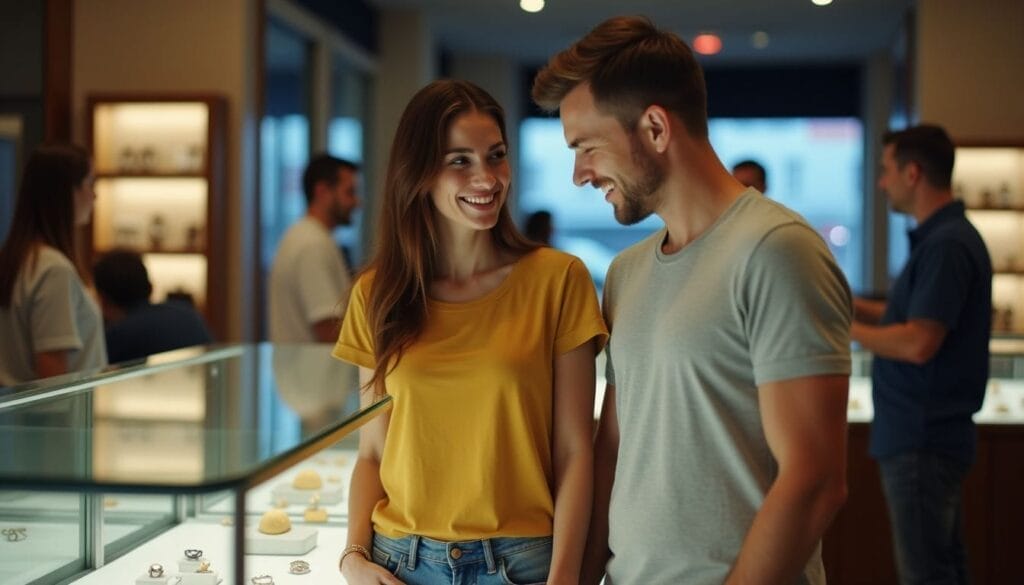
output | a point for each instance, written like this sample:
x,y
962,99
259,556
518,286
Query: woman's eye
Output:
x,y
499,155
458,161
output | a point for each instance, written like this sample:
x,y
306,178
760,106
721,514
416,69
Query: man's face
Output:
x,y
610,158
344,196
892,180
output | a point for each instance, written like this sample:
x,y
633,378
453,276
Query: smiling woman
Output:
x,y
486,343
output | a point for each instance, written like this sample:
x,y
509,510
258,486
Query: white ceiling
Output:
x,y
799,31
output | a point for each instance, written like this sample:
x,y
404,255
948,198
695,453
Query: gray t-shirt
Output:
x,y
50,310
757,298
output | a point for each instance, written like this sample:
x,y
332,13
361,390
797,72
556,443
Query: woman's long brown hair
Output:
x,y
44,213
406,254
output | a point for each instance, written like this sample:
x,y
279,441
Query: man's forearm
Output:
x,y
897,341
596,554
786,530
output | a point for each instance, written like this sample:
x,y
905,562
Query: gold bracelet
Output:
x,y
353,548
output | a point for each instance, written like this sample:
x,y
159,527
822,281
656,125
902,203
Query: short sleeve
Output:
x,y
52,315
355,342
796,307
579,318
318,286
942,282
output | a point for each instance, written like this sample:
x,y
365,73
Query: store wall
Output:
x,y
968,72
185,46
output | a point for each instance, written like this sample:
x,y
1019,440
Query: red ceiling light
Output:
x,y
707,44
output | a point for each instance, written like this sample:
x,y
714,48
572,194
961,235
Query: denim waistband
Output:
x,y
455,553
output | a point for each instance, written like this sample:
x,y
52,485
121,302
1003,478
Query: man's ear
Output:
x,y
654,128
911,172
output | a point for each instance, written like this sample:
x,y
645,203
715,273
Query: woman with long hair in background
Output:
x,y
49,323
482,470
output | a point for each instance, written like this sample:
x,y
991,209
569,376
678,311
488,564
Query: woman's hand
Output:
x,y
359,571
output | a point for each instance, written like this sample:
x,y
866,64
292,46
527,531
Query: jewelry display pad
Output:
x,y
199,579
296,542
187,565
215,541
164,580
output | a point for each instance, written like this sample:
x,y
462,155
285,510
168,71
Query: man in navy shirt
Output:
x,y
135,327
930,342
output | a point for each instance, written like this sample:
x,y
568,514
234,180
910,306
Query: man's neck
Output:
x,y
930,202
697,191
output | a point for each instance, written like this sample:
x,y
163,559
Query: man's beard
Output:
x,y
638,197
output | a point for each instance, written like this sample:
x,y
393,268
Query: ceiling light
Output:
x,y
707,44
821,2
532,5
759,40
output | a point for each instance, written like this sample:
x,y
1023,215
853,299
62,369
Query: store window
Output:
x,y
814,167
346,129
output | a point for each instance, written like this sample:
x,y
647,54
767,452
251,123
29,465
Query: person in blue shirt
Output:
x,y
930,342
135,327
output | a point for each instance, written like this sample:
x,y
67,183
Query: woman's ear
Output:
x,y
654,128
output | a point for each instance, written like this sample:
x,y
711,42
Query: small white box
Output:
x,y
187,565
285,491
165,579
297,541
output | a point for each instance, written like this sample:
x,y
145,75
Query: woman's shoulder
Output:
x,y
550,258
50,260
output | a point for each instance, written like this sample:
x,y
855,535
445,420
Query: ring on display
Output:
x,y
204,567
15,534
262,580
299,567
156,570
193,553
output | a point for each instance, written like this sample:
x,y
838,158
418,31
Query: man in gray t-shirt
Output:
x,y
721,451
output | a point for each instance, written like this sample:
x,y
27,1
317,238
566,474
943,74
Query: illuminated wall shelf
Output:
x,y
159,163
990,182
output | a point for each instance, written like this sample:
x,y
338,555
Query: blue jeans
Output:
x,y
417,560
922,491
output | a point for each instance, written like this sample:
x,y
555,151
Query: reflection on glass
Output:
x,y
207,421
40,532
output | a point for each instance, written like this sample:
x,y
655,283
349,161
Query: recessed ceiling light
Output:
x,y
707,44
532,5
821,2
759,39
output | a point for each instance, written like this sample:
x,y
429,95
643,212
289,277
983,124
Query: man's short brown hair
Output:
x,y
630,65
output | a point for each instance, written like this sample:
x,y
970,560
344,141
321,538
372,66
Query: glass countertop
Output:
x,y
195,420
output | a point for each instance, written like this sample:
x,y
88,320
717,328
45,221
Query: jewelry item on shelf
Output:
x,y
15,534
307,479
299,567
227,521
157,232
156,570
275,522
204,567
281,503
148,159
262,580
109,502
314,513
193,553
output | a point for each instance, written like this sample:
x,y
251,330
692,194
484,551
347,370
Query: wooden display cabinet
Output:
x,y
159,162
990,181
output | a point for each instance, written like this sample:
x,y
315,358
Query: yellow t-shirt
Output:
x,y
468,449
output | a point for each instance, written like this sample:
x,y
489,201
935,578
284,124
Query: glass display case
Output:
x,y
199,466
159,163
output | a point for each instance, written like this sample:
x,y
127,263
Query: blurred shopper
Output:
x,y
752,174
540,227
135,327
721,450
49,323
930,342
310,280
481,472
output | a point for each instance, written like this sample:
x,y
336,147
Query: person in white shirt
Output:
x,y
49,322
310,280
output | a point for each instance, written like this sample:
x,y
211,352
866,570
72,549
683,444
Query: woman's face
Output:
x,y
473,183
84,197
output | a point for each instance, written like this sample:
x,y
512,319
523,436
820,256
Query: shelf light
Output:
x,y
821,2
531,5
